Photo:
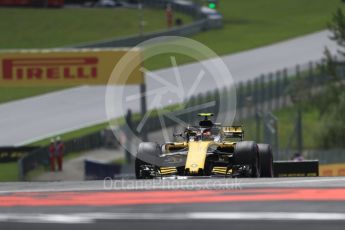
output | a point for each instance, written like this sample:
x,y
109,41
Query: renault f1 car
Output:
x,y
205,150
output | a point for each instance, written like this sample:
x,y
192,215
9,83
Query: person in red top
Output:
x,y
60,148
52,150
169,15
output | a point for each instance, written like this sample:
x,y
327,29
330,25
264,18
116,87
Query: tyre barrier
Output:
x,y
99,171
308,168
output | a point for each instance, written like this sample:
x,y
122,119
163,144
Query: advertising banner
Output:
x,y
307,168
65,67
332,170
12,154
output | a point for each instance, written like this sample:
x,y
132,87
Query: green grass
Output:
x,y
286,122
36,172
247,24
45,28
120,161
9,171
310,118
250,24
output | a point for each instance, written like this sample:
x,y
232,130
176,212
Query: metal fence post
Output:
x,y
262,92
240,100
284,87
277,88
256,94
270,92
249,99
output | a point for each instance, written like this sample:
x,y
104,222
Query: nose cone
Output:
x,y
196,156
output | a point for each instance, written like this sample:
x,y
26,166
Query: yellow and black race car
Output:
x,y
206,150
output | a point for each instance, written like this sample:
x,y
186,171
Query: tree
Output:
x,y
331,103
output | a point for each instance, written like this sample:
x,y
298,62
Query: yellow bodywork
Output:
x,y
168,170
232,129
197,155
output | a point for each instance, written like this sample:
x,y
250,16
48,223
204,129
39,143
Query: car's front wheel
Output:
x,y
146,159
246,154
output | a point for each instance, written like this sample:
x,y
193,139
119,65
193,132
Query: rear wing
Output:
x,y
233,132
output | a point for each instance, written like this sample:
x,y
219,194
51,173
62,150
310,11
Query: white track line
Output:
x,y
88,218
217,184
159,184
165,186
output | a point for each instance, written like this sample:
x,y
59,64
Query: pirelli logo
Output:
x,y
70,67
49,68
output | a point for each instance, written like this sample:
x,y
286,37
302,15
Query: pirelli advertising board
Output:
x,y
65,67
332,169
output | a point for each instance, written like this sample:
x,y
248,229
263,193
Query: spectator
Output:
x,y
297,157
169,16
60,148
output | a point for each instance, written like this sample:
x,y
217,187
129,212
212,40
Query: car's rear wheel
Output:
x,y
246,154
266,160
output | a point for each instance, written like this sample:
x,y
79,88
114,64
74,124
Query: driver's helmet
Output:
x,y
207,134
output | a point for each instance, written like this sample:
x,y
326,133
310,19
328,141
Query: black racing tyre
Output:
x,y
148,153
246,153
138,171
266,160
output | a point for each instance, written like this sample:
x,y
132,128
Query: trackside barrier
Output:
x,y
130,41
13,154
53,67
296,169
332,169
40,157
204,21
99,171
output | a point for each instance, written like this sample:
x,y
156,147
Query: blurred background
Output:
x,y
286,57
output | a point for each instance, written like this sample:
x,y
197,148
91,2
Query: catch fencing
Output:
x,y
326,156
264,94
40,157
257,99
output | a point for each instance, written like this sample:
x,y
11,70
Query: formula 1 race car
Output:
x,y
205,150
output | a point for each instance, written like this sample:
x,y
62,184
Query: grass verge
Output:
x,y
286,123
252,24
46,28
247,25
9,172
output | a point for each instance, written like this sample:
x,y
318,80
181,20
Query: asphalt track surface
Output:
x,y
272,203
50,114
